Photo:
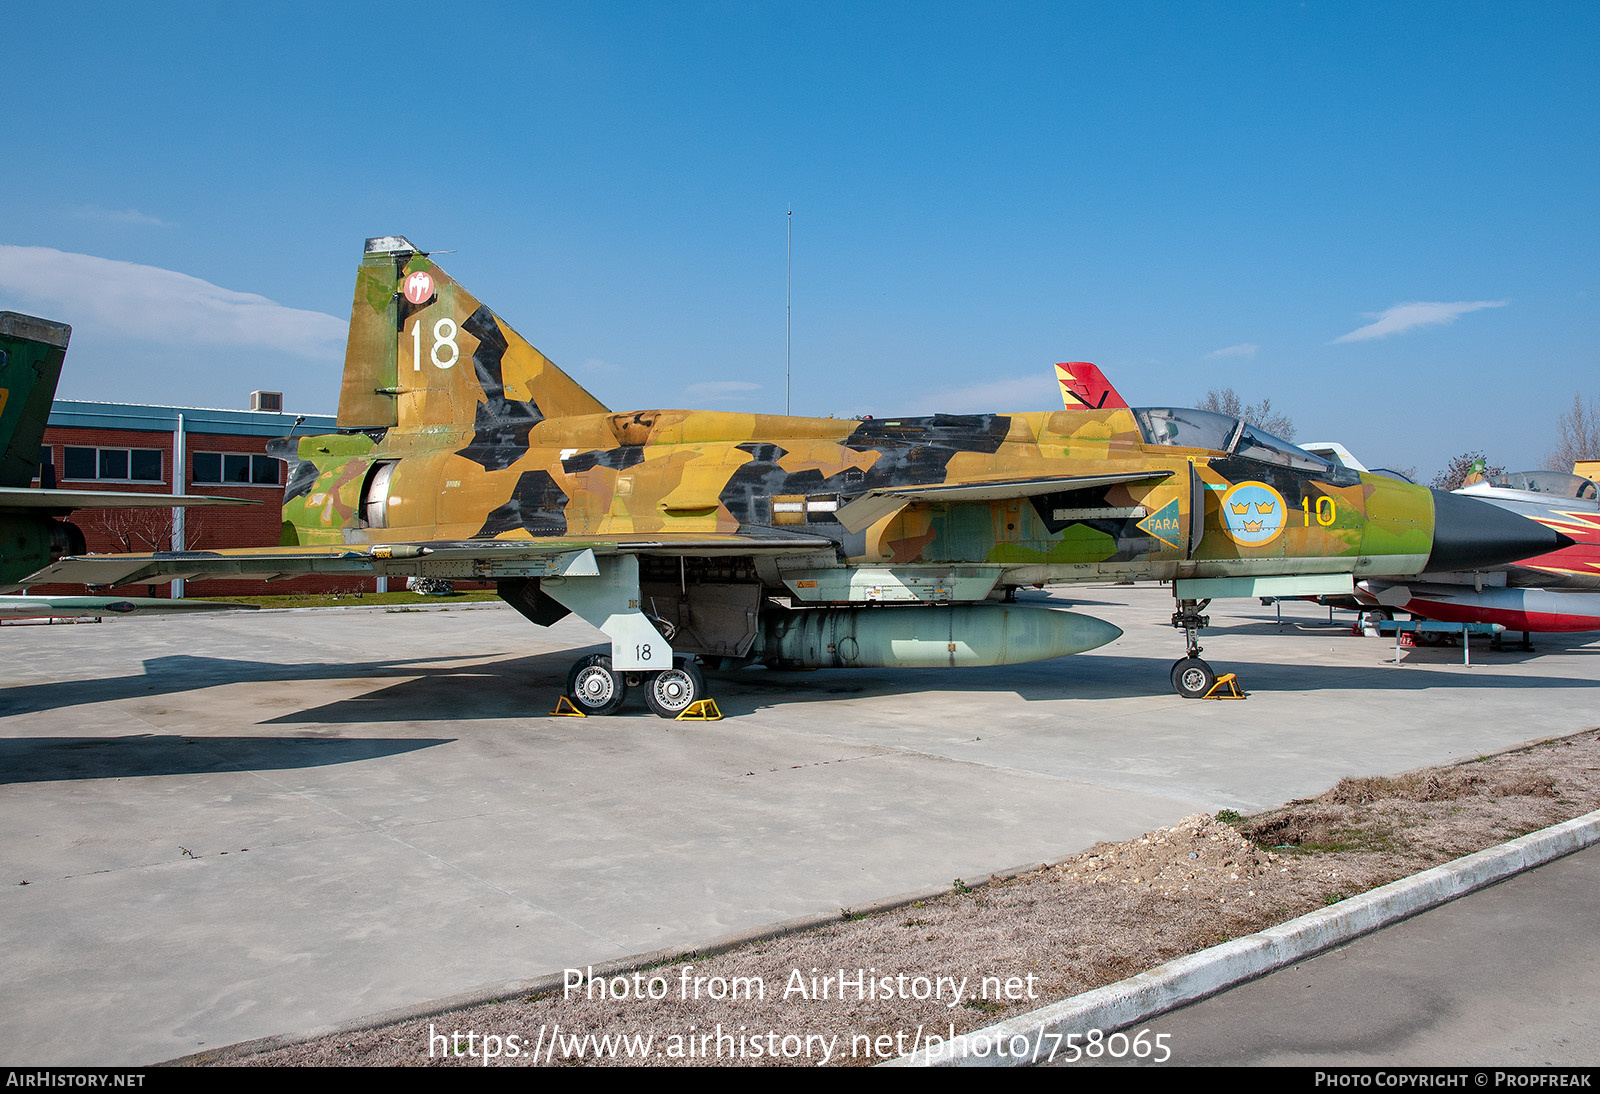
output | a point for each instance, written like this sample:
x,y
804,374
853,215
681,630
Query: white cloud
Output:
x,y
1017,394
1243,349
1404,317
722,391
116,216
146,302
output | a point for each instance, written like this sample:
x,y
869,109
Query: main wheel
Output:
x,y
595,687
1192,678
670,692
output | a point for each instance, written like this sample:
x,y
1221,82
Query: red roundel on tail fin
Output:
x,y
419,287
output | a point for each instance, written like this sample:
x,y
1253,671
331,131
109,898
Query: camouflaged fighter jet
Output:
x,y
726,539
32,351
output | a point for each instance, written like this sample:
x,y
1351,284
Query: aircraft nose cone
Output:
x,y
1469,534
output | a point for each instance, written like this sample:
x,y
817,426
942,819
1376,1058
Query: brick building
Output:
x,y
143,449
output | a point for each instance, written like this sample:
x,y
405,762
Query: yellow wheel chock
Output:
x,y
1226,687
702,710
565,709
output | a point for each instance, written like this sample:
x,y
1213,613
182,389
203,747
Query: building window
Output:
x,y
234,469
114,464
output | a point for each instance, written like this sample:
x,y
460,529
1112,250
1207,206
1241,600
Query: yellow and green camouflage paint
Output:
x,y
463,452
474,435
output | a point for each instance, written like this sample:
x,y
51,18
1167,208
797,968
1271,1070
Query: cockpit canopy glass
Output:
x,y
1258,444
1558,483
1187,428
1221,433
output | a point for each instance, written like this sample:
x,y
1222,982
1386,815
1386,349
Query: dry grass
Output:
x,y
1108,913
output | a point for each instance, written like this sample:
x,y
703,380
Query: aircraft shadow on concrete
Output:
x,y
1418,675
525,687
1580,644
65,759
181,673
529,686
1101,677
519,687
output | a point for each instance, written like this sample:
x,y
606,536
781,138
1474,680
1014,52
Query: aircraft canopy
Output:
x,y
1188,428
1557,483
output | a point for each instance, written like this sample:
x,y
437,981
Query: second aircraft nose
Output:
x,y
1469,534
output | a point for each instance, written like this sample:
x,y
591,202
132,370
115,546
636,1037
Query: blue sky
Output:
x,y
1380,216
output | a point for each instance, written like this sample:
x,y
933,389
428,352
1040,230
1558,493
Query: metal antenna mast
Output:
x,y
788,306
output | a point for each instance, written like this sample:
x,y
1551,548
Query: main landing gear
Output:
x,y
1192,678
604,591
595,688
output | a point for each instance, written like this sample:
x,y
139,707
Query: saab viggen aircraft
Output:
x,y
705,537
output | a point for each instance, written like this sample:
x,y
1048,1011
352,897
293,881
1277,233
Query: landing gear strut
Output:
x,y
604,591
1192,678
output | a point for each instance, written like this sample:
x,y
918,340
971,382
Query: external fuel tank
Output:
x,y
941,636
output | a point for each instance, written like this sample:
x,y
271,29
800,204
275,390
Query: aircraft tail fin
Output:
x,y
424,355
1085,387
31,354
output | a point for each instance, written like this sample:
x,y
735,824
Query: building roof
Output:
x,y
164,419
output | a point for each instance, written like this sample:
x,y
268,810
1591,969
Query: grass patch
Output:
x,y
1311,830
347,600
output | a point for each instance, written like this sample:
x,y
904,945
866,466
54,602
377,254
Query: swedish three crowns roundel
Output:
x,y
1253,514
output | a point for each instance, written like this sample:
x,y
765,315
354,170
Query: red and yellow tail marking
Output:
x,y
1085,387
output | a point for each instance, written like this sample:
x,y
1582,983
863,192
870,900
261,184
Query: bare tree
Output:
x,y
1463,466
1227,401
140,530
1577,436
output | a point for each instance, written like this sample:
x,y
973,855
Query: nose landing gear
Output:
x,y
1192,678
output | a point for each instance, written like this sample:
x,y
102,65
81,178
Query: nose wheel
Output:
x,y
1192,678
